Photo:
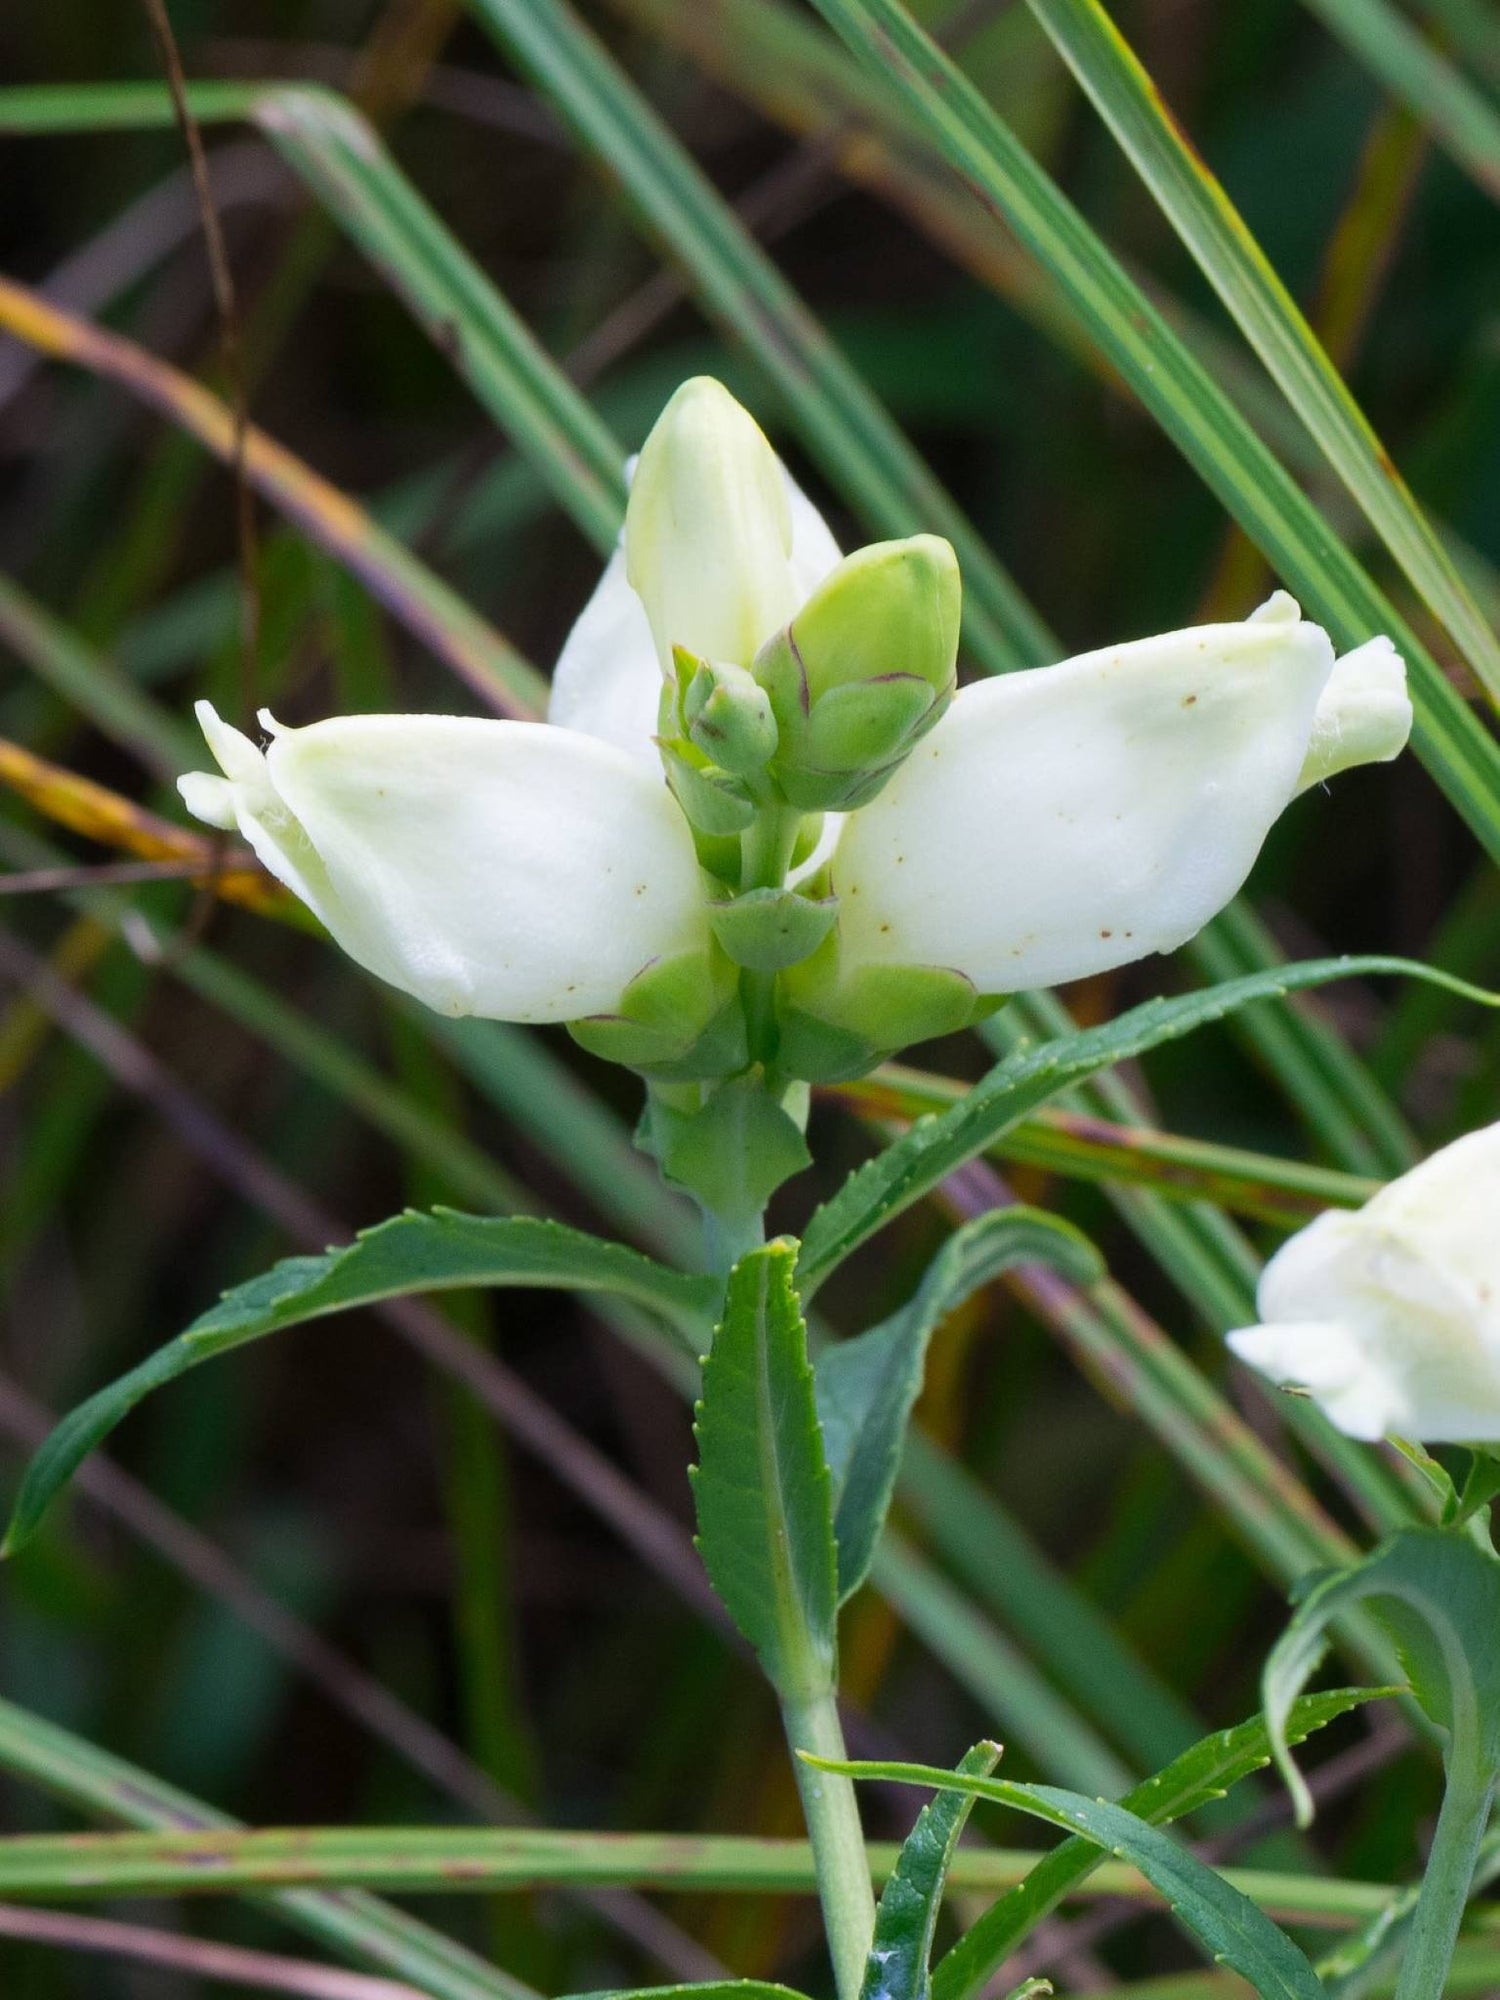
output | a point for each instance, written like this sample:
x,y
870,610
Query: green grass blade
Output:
x,y
845,428
1234,264
1082,1146
344,162
356,1926
1178,391
446,1861
1459,117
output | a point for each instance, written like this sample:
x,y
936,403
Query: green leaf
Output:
x,y
765,1510
409,1253
1224,1920
1439,1594
866,1387
1205,1772
1014,1088
906,1921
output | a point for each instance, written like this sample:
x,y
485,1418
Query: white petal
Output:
x,y
607,681
1328,1361
506,869
209,798
1364,716
815,554
1059,822
708,529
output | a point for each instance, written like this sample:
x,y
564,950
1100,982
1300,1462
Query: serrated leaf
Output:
x,y
409,1253
1438,1593
866,1387
1204,1772
765,1509
901,1950
1226,1923
1029,1077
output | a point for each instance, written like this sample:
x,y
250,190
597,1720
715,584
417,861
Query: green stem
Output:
x,y
838,1840
1448,1880
730,1237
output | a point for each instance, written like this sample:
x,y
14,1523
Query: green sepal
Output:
x,y
714,801
841,1024
733,1151
819,1051
855,726
680,1018
767,930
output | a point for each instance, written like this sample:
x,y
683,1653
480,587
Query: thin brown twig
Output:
x,y
115,874
269,1971
227,305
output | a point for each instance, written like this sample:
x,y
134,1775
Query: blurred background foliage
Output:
x,y
321,1582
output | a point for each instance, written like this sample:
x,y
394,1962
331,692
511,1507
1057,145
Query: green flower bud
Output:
x,y
708,528
726,712
862,671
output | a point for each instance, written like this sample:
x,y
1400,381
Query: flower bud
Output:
x,y
726,713
708,529
1390,1317
863,671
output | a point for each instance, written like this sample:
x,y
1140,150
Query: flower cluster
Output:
x,y
764,828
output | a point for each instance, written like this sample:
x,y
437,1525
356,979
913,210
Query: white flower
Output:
x,y
1063,821
1390,1317
507,869
1049,825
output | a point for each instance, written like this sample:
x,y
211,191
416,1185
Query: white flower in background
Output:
x,y
1042,826
1390,1317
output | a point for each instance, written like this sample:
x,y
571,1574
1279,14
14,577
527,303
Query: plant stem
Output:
x,y
729,1237
1448,1880
838,1840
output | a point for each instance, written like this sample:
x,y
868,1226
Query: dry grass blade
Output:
x,y
433,613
